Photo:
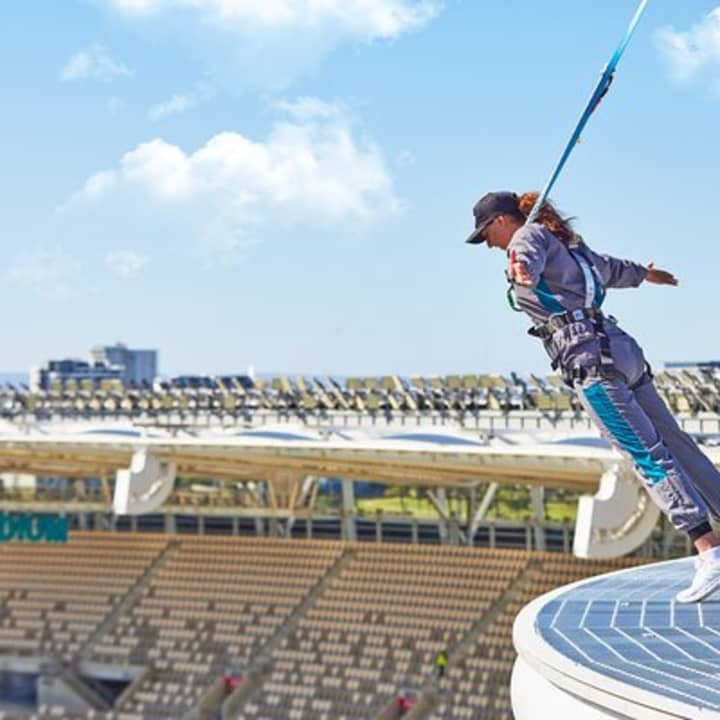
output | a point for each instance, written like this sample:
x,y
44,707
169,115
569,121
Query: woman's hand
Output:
x,y
660,277
518,272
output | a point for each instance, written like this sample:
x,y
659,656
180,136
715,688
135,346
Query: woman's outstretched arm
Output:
x,y
617,273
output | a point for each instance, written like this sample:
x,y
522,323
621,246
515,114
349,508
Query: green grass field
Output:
x,y
511,503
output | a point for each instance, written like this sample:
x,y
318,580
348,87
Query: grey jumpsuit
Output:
x,y
611,378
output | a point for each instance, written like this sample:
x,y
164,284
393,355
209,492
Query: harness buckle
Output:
x,y
576,374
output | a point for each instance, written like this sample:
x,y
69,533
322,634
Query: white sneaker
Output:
x,y
705,582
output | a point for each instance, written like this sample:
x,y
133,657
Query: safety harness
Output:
x,y
591,310
594,295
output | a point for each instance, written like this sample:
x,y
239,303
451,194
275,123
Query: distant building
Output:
x,y
54,371
139,366
113,362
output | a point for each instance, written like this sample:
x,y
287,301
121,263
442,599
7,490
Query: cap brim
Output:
x,y
476,237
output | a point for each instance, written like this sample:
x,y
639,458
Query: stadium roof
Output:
x,y
415,460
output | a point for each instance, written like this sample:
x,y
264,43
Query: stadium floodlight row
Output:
x,y
686,391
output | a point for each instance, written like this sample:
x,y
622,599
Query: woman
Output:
x,y
560,283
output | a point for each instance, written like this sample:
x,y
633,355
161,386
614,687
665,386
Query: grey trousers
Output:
x,y
679,477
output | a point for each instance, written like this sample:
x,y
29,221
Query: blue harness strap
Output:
x,y
561,317
594,290
606,80
593,283
599,93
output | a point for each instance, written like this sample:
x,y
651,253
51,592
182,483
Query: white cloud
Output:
x,y
691,51
178,104
162,169
95,186
309,108
174,106
319,171
93,64
99,183
126,264
367,19
51,273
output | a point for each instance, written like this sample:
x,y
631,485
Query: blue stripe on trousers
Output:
x,y
620,429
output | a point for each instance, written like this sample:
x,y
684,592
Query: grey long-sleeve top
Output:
x,y
558,282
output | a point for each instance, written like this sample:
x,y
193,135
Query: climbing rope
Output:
x,y
601,90
596,98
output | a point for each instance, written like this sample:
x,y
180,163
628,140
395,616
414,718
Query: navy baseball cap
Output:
x,y
487,208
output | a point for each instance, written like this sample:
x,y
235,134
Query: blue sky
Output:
x,y
288,184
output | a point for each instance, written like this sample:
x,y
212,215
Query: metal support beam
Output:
x,y
454,532
471,503
170,524
439,502
252,489
297,498
106,491
101,521
309,485
449,530
315,486
537,503
274,529
482,510
349,524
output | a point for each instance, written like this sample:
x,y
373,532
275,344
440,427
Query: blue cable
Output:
x,y
602,87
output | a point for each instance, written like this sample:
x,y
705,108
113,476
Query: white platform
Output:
x,y
618,646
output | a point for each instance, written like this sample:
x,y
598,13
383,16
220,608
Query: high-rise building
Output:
x,y
139,365
112,362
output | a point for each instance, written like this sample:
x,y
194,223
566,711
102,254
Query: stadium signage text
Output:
x,y
33,528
